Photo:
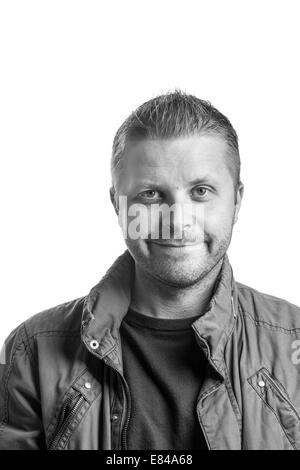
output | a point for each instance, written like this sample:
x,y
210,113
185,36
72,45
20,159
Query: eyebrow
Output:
x,y
203,179
148,183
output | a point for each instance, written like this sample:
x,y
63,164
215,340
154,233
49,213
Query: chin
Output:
x,y
174,268
177,272
180,276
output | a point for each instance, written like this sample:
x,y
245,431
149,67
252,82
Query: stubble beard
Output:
x,y
182,273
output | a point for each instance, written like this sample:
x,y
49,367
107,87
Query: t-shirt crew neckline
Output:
x,y
145,321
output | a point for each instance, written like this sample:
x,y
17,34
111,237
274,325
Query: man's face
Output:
x,y
188,172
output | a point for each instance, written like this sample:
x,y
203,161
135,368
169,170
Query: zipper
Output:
x,y
275,385
212,391
200,422
124,440
63,423
128,398
110,364
212,365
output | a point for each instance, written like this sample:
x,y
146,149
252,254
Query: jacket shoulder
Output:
x,y
62,318
268,309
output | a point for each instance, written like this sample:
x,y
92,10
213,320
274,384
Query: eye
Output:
x,y
149,194
200,192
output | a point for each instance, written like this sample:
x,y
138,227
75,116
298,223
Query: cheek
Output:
x,y
133,219
218,219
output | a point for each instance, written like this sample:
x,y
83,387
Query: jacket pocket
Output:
x,y
276,398
77,401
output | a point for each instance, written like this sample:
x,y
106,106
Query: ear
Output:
x,y
112,193
239,197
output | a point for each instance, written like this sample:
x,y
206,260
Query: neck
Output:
x,y
154,298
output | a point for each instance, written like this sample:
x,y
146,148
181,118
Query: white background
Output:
x,y
71,72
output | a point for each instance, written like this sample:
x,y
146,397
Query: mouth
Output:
x,y
177,245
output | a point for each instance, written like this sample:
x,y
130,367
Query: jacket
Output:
x,y
62,383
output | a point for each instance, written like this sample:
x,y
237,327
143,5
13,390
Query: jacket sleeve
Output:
x,y
21,424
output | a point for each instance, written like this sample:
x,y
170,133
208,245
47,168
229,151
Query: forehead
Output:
x,y
177,160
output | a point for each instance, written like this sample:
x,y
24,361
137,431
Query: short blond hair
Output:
x,y
176,114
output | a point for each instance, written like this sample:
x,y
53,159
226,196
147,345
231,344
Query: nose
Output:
x,y
177,195
183,222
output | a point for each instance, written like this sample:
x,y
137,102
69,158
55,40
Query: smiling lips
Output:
x,y
176,245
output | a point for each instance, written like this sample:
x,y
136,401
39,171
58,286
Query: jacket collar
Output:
x,y
108,302
215,326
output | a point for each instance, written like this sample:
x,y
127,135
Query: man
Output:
x,y
167,351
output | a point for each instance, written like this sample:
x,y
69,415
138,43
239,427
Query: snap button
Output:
x,y
261,383
94,344
115,418
87,385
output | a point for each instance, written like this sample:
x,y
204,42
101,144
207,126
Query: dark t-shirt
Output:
x,y
164,368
